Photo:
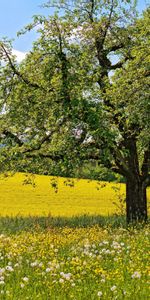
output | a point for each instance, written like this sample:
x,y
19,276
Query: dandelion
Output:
x,y
40,264
67,276
16,265
73,284
1,277
22,285
136,275
2,270
105,242
34,264
9,268
122,244
25,279
61,280
113,288
48,270
99,294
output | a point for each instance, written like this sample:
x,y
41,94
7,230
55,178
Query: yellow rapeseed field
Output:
x,y
40,198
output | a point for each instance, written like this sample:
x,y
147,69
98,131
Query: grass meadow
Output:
x,y
70,244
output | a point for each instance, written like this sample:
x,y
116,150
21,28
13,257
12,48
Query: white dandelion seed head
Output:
x,y
113,288
99,294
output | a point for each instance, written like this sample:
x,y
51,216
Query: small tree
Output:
x,y
69,102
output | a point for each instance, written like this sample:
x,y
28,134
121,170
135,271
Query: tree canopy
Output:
x,y
81,94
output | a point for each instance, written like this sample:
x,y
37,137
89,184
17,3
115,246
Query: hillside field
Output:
x,y
40,198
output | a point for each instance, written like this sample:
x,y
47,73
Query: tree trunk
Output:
x,y
136,200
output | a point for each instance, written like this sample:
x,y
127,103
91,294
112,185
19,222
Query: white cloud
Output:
x,y
19,55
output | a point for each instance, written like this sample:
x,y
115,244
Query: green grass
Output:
x,y
69,245
63,263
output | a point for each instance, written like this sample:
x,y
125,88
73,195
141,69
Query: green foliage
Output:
x,y
62,108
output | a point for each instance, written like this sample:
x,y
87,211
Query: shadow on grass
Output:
x,y
33,223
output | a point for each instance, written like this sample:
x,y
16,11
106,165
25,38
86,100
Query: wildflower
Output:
x,y
1,277
73,284
2,236
2,282
9,268
136,275
105,242
122,244
40,264
25,279
16,265
48,270
61,280
108,251
2,270
113,288
99,294
34,264
67,276
22,285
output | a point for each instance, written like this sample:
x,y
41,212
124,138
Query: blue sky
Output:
x,y
15,14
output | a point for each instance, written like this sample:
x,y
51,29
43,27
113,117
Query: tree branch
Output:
x,y
16,72
54,157
14,137
64,68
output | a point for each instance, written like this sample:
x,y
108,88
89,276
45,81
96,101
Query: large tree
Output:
x,y
81,94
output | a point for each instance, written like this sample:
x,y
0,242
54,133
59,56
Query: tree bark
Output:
x,y
136,200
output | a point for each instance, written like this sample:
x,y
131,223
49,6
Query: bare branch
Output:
x,y
109,20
